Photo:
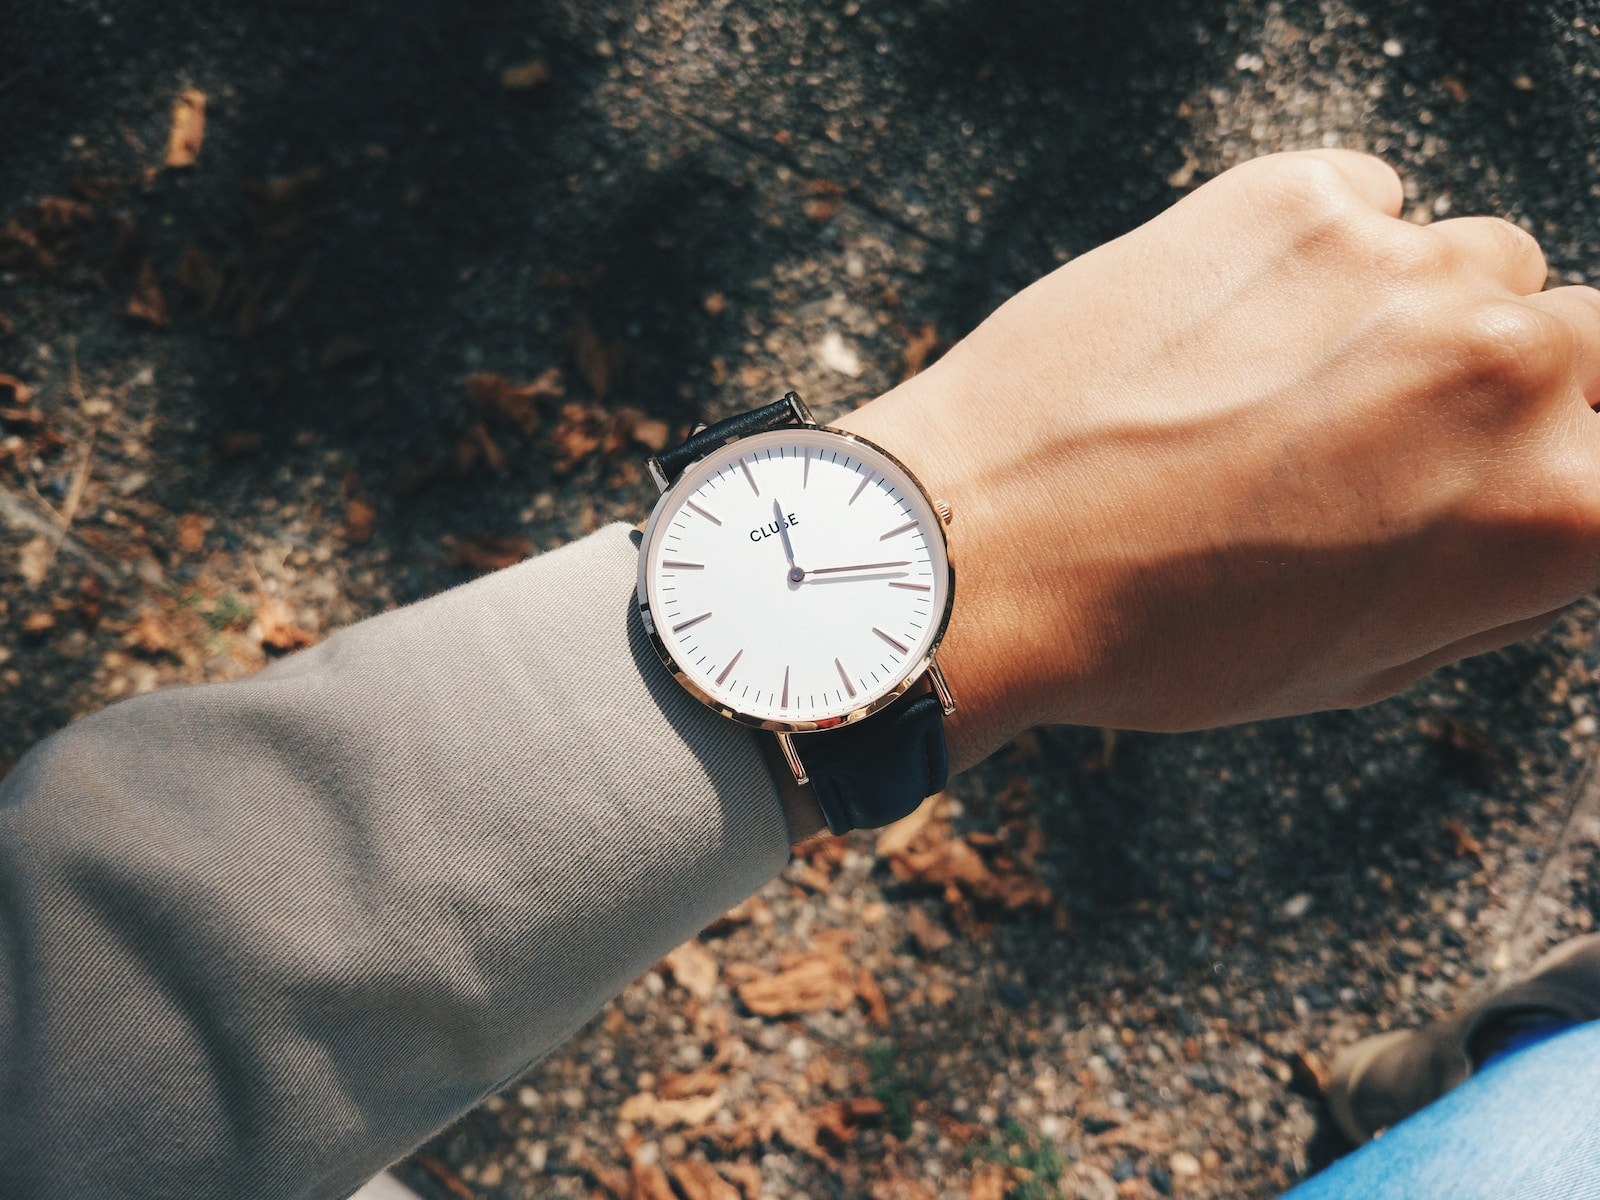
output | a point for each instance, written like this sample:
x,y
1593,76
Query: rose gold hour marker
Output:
x,y
849,687
729,667
784,702
745,467
860,487
895,642
702,512
898,529
913,587
682,566
692,621
805,475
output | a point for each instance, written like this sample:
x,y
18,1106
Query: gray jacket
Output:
x,y
259,939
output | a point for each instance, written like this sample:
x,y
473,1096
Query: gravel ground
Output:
x,y
680,209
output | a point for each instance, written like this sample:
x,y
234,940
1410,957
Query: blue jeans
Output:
x,y
1525,1127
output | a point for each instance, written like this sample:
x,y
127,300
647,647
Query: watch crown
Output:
x,y
942,507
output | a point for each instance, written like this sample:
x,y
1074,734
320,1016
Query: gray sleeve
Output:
x,y
261,938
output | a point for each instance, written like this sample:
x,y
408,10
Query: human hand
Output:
x,y
1272,452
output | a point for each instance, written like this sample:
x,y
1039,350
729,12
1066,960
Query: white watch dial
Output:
x,y
797,575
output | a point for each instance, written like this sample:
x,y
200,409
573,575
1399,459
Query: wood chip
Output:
x,y
524,77
33,563
191,533
188,128
359,519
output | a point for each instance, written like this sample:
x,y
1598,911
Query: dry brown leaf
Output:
x,y
919,344
359,518
808,983
695,969
647,1108
651,433
700,1181
14,391
650,1183
897,838
612,1180
147,304
516,404
1139,1135
988,1183
754,910
691,1083
578,434
820,208
929,935
20,248
191,533
278,628
152,634
746,1175
902,1187
33,563
595,360
188,128
1466,846
486,551
872,996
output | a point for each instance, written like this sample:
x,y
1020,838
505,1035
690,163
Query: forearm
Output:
x,y
271,934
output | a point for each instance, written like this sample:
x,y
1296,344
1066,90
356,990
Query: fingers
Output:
x,y
1374,180
1579,307
1503,251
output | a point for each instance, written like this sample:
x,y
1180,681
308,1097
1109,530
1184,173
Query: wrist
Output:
x,y
997,654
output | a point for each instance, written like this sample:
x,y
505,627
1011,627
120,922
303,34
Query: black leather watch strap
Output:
x,y
870,773
771,416
874,772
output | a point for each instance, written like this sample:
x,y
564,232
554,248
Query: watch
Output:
x,y
798,579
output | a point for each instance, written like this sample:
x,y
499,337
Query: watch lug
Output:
x,y
653,465
798,406
941,689
792,757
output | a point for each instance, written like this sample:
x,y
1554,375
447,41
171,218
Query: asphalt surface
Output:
x,y
720,201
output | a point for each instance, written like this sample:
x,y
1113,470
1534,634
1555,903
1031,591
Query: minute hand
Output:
x,y
857,567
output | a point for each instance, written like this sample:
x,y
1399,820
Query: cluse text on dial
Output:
x,y
773,527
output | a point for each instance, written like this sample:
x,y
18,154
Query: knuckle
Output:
x,y
1511,344
1407,254
1514,241
1296,187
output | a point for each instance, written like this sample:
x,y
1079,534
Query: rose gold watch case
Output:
x,y
926,665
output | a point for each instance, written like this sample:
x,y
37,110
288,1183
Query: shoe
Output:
x,y
1380,1081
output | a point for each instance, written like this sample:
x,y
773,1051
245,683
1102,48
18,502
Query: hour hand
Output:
x,y
796,573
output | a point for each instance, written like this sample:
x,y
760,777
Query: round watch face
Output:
x,y
796,578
